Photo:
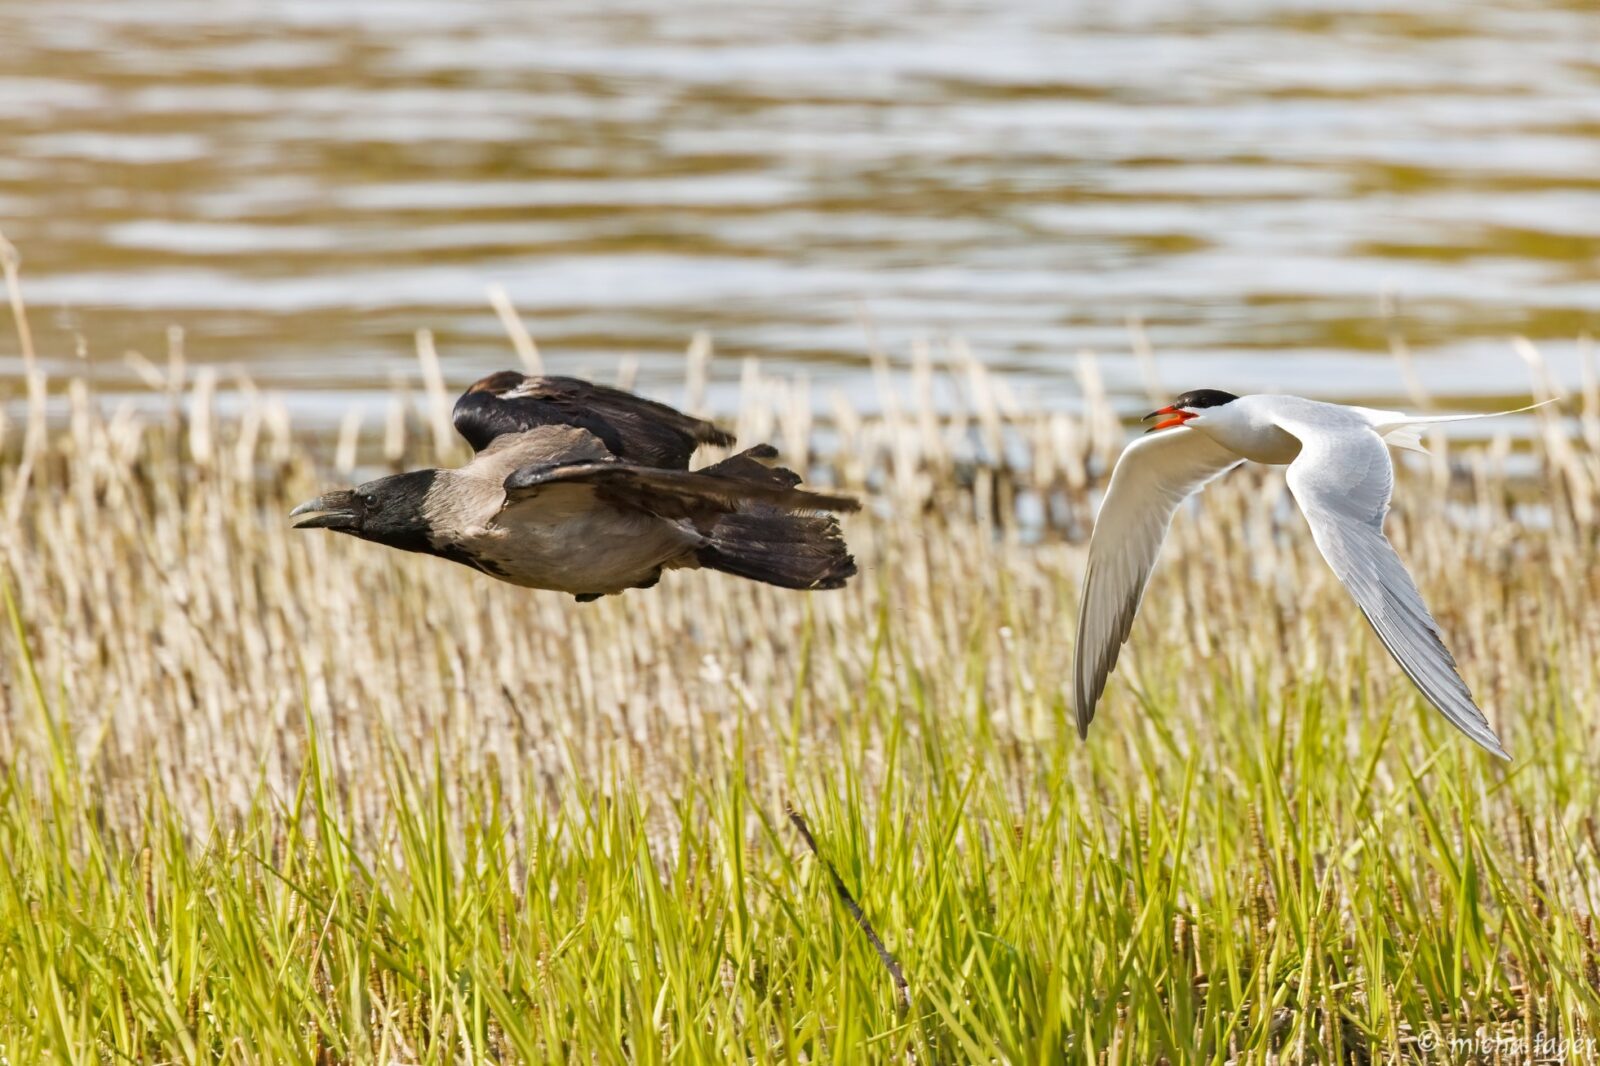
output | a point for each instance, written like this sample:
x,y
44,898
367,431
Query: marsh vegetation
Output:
x,y
278,797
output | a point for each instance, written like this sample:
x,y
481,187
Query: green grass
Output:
x,y
270,796
1169,913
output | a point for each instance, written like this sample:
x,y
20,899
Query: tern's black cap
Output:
x,y
1197,399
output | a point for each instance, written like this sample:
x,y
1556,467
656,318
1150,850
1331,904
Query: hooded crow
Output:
x,y
587,489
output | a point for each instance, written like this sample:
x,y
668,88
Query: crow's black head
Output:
x,y
388,511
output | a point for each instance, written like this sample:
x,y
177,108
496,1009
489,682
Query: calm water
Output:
x,y
301,185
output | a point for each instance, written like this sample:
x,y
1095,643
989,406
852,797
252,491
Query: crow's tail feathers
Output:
x,y
790,549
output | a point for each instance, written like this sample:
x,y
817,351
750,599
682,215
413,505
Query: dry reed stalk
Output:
x,y
521,340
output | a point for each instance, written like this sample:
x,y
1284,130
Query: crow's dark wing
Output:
x,y
634,429
735,484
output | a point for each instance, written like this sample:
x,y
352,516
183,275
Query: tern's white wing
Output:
x,y
1342,479
1153,476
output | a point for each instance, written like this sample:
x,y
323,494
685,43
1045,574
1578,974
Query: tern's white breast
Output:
x,y
1246,426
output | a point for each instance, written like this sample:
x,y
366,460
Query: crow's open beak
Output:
x,y
335,510
1176,416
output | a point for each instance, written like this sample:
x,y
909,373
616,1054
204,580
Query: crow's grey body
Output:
x,y
565,536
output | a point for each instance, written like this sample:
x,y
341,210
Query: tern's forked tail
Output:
x,y
1400,429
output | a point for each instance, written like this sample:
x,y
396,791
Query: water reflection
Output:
x,y
302,185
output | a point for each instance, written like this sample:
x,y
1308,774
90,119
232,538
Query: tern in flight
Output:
x,y
1339,474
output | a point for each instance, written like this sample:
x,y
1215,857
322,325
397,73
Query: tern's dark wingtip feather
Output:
x,y
1494,747
1083,713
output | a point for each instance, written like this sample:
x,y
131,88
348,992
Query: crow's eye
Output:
x,y
370,501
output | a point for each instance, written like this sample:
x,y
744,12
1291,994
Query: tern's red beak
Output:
x,y
1178,418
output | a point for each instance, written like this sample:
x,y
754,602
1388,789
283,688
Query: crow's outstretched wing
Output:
x,y
634,429
735,484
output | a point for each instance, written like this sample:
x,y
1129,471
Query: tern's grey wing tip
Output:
x,y
1490,743
1474,725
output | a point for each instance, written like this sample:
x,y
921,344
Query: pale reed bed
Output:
x,y
1263,809
189,632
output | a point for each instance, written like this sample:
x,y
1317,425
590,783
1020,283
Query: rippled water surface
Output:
x,y
302,185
